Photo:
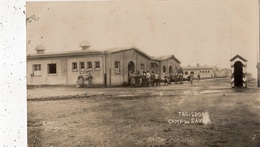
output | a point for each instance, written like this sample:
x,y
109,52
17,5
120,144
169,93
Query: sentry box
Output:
x,y
238,68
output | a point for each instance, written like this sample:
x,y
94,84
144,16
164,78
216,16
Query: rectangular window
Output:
x,y
142,66
74,66
37,67
81,65
192,72
152,65
186,73
97,64
164,69
89,64
117,66
37,70
52,69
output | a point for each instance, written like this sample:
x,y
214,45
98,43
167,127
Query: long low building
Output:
x,y
108,67
203,71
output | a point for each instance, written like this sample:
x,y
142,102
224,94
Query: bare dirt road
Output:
x,y
172,115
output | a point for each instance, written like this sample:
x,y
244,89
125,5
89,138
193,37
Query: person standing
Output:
x,y
133,77
165,78
198,76
156,78
90,78
148,76
191,78
144,79
152,78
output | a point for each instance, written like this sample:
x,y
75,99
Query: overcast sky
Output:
x,y
196,31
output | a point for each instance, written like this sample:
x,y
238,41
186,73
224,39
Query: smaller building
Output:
x,y
203,71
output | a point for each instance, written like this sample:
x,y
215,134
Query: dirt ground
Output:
x,y
173,115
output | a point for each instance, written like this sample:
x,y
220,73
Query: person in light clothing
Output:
x,y
148,76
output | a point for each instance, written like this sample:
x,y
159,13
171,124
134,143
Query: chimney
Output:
x,y
85,45
40,49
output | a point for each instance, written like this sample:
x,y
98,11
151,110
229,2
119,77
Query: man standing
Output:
x,y
198,76
191,78
152,78
156,77
147,78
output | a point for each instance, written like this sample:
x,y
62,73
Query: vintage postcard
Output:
x,y
143,73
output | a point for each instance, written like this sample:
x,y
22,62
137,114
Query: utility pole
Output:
x,y
258,60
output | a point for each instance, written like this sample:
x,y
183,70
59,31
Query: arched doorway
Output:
x,y
238,74
131,68
170,73
170,69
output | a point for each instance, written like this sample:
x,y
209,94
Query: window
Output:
x,y
74,66
89,64
186,73
202,71
52,69
81,65
117,66
208,71
97,64
164,68
152,65
37,69
192,72
142,66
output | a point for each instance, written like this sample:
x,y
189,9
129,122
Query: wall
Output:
x,y
197,71
64,75
45,78
115,78
98,74
124,57
167,63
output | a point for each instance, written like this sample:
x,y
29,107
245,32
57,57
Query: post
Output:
x,y
258,74
110,77
105,79
258,64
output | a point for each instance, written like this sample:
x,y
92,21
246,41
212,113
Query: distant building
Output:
x,y
204,71
108,67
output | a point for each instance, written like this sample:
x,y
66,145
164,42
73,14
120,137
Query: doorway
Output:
x,y
238,74
170,69
131,68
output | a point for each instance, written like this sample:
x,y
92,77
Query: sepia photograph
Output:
x,y
179,73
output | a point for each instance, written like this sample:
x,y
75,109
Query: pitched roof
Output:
x,y
114,50
237,56
66,53
161,58
92,51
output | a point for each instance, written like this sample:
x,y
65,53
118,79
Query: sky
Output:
x,y
208,32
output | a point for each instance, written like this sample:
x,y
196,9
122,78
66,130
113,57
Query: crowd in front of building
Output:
x,y
146,79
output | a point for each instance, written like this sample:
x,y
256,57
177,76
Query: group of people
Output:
x,y
145,78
